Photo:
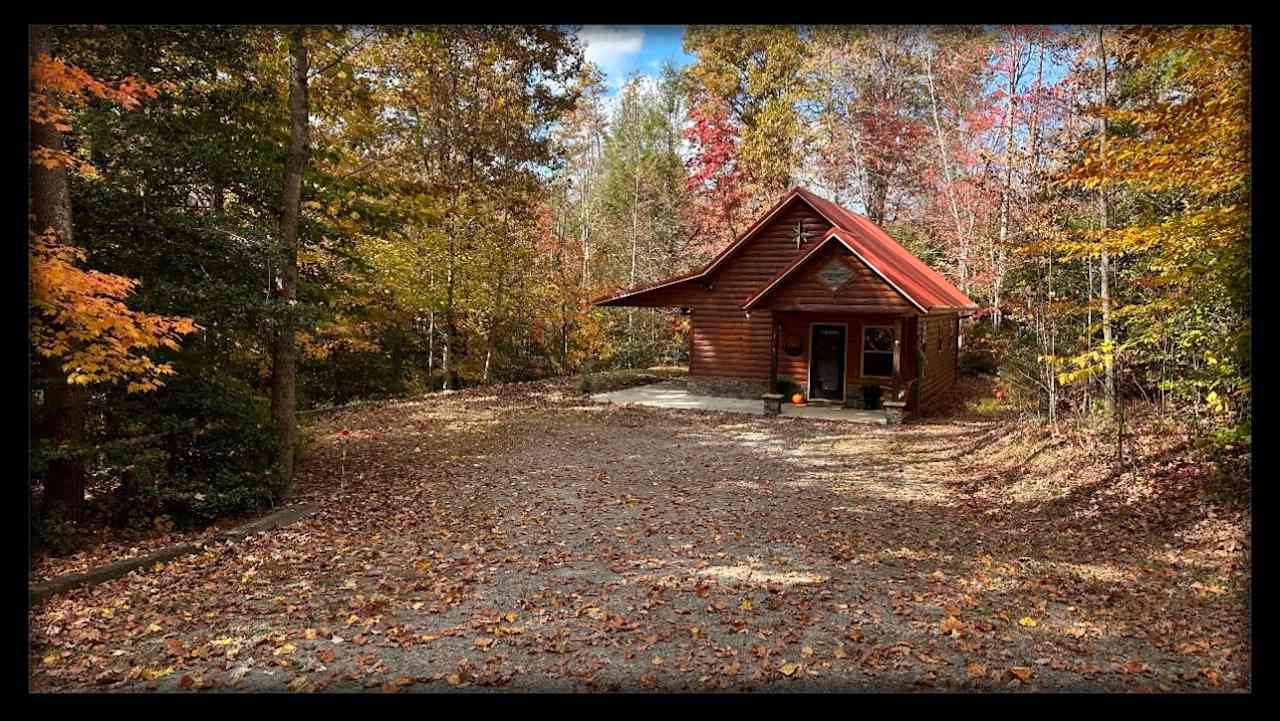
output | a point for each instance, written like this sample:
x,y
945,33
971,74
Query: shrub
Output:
x,y
977,362
52,531
212,450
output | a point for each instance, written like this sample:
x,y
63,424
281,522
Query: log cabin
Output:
x,y
815,299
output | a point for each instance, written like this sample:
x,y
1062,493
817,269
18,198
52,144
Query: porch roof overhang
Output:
x,y
639,294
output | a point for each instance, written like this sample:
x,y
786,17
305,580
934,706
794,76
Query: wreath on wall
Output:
x,y
792,347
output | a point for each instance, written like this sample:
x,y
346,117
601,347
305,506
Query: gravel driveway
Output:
x,y
525,539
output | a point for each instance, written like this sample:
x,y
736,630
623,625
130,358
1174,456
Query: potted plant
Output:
x,y
871,393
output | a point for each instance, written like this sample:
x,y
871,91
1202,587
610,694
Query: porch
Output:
x,y
834,357
674,395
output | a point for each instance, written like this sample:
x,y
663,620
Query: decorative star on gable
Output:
x,y
801,236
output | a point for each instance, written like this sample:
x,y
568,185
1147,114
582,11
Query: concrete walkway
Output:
x,y
674,395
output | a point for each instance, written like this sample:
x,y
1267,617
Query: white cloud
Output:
x,y
610,47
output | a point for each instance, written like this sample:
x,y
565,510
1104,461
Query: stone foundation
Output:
x,y
726,387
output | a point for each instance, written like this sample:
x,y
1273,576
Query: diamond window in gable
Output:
x,y
835,273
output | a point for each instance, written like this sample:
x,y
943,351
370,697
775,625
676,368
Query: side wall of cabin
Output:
x,y
939,348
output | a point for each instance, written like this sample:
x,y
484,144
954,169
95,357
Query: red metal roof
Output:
x,y
616,298
913,278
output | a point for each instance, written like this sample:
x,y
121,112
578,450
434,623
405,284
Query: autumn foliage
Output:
x,y
81,319
79,315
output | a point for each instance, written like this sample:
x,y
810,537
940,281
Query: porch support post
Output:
x,y
894,407
897,354
776,328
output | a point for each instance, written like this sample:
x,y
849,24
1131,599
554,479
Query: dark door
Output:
x,y
826,363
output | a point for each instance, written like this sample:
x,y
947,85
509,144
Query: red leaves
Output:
x,y
716,179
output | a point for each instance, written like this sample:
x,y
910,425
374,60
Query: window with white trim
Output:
x,y
877,351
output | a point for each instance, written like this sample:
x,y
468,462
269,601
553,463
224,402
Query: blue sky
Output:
x,y
620,50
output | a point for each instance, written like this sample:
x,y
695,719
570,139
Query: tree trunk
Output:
x,y
64,403
446,361
878,198
635,240
1104,263
1006,186
962,244
284,360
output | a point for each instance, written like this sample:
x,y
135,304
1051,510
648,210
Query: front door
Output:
x,y
826,362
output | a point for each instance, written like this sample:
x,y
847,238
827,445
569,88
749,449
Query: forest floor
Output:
x,y
520,537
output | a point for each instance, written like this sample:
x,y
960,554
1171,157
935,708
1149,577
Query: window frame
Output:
x,y
863,351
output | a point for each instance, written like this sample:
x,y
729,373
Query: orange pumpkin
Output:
x,y
797,399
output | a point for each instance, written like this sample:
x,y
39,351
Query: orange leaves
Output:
x,y
79,315
59,86
952,626
80,318
54,77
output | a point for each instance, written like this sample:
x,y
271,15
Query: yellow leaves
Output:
x,y
745,605
285,650
1027,621
789,669
156,674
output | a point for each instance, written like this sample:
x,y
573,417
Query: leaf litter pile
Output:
x,y
520,537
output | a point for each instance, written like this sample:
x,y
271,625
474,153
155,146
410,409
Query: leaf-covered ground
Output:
x,y
521,538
